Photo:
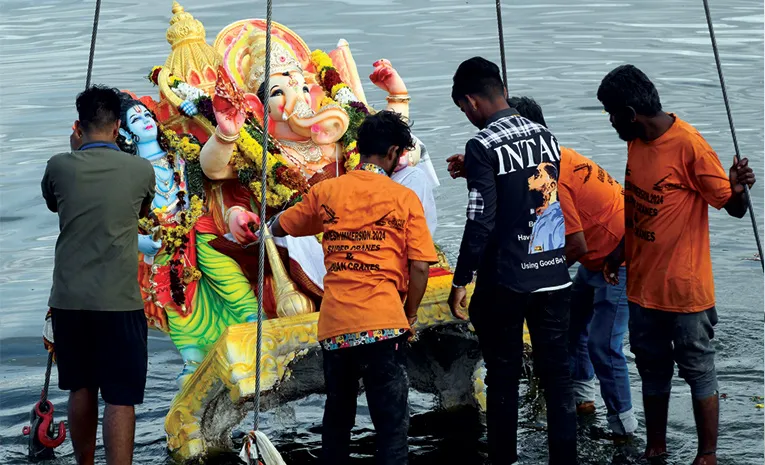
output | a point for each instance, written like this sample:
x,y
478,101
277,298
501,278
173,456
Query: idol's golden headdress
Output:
x,y
283,60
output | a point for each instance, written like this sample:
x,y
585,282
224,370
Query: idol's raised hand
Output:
x,y
386,78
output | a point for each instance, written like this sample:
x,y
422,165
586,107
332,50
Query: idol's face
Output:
x,y
141,122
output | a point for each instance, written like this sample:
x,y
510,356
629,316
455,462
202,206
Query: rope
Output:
x,y
733,129
44,394
93,43
501,42
262,257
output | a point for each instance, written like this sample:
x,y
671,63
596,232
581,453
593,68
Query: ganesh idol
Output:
x,y
307,126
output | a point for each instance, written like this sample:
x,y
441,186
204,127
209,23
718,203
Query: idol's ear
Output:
x,y
257,109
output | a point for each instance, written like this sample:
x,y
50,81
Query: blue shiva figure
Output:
x,y
549,231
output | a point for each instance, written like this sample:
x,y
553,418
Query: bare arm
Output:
x,y
276,228
576,247
418,281
214,159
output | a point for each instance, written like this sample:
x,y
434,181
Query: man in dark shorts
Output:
x,y
672,177
97,313
521,270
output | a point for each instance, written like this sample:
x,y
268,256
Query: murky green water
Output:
x,y
557,52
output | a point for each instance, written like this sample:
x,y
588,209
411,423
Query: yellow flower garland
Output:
x,y
172,235
352,157
321,60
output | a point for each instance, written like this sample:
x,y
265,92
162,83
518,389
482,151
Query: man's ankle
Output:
x,y
705,458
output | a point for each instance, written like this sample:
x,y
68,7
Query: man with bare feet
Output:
x,y
99,327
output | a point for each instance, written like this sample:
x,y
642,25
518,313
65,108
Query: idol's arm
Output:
x,y
215,157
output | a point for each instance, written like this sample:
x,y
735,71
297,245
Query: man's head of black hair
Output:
x,y
383,138
630,98
528,108
478,90
98,110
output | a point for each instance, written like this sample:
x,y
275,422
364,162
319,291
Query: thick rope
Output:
x,y
93,43
501,42
262,257
733,128
44,394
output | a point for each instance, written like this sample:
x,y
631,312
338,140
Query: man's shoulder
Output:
x,y
689,135
59,158
506,128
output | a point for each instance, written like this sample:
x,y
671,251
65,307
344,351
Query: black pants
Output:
x,y
382,366
497,314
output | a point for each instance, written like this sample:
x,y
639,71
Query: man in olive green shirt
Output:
x,y
99,326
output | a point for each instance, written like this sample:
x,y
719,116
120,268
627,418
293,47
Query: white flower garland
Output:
x,y
345,96
187,92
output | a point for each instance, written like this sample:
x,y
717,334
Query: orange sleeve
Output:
x,y
303,219
570,214
419,243
709,179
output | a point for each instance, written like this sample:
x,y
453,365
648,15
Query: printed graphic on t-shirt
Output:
x,y
368,240
549,230
643,205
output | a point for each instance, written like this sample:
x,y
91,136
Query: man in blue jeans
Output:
x,y
593,208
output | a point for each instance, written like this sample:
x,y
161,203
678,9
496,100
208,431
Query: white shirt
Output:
x,y
417,180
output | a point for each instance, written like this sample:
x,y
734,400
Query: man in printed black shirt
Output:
x,y
513,240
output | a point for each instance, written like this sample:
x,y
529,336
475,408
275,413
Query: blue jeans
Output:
x,y
599,320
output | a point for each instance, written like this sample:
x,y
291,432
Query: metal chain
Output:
x,y
93,43
501,42
262,257
733,128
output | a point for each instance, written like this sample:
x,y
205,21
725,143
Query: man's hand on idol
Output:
x,y
456,166
741,174
458,302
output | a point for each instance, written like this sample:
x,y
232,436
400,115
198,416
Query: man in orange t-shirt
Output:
x,y
593,211
377,251
672,175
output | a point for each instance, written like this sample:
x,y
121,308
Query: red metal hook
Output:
x,y
45,425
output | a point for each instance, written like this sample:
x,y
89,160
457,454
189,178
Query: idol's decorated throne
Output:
x,y
203,290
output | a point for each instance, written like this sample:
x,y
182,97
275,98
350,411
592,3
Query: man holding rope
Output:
x,y
672,176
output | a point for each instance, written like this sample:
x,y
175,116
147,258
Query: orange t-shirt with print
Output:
x,y
668,186
372,227
593,203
